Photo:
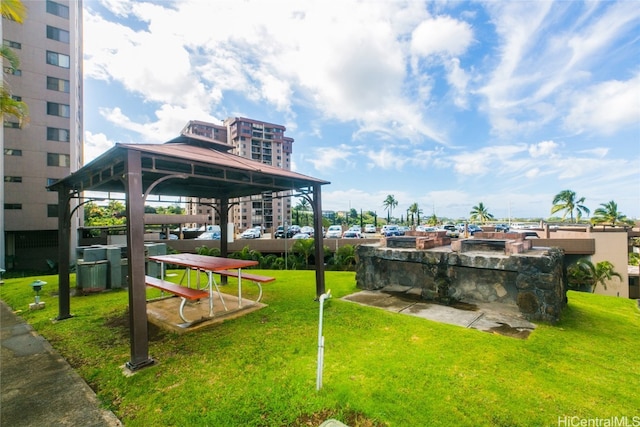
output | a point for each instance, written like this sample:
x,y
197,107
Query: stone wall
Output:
x,y
534,280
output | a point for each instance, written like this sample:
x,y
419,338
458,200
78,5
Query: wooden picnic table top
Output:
x,y
203,262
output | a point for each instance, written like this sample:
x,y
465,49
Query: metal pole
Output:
x,y
321,341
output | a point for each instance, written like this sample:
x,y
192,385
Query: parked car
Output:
x,y
209,235
355,228
334,232
301,236
279,233
351,234
171,236
391,230
504,228
473,229
250,233
307,230
369,228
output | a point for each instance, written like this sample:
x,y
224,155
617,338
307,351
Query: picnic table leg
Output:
x,y
210,273
213,280
239,288
182,304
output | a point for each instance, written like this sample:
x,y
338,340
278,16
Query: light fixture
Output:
x,y
37,287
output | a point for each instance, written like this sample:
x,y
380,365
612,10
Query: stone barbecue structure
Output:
x,y
490,267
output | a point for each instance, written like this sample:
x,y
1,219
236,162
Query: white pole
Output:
x,y
323,297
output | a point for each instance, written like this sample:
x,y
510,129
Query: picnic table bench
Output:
x,y
255,278
181,291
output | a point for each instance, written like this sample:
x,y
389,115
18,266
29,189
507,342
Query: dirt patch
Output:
x,y
350,418
121,321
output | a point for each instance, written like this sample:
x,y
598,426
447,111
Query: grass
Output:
x,y
380,369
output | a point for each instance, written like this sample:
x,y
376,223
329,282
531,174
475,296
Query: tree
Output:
x,y
389,204
480,213
608,214
15,11
304,207
415,210
585,274
566,201
305,248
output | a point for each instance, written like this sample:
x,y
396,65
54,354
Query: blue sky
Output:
x,y
444,104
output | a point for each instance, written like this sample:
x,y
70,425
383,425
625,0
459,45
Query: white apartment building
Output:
x,y
259,141
49,146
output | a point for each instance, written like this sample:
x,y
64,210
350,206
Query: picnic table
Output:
x,y
209,265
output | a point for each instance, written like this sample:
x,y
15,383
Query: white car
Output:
x,y
307,230
334,232
369,228
250,233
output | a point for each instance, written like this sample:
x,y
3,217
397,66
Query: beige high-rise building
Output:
x,y
259,141
49,145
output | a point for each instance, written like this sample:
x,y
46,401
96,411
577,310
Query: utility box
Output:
x,y
94,254
91,275
115,275
152,249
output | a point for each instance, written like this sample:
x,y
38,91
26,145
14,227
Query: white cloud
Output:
x,y
95,145
549,50
441,35
327,158
606,108
544,148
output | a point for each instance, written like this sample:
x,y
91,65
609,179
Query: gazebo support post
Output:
x,y
318,241
64,246
135,245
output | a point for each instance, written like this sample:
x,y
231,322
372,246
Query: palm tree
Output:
x,y
304,248
480,213
389,203
415,210
15,11
585,273
608,214
566,201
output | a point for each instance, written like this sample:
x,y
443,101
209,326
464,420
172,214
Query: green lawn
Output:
x,y
380,368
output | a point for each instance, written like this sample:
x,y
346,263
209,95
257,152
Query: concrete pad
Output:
x,y
164,312
442,314
502,319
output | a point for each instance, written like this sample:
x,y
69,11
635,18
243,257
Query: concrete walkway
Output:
x,y
37,386
496,318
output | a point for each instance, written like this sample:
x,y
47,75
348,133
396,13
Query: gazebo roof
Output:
x,y
200,169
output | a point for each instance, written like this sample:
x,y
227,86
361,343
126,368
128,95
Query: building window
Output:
x,y
12,178
12,206
51,181
58,59
56,159
12,44
58,34
12,152
60,85
57,9
12,125
52,211
55,134
61,110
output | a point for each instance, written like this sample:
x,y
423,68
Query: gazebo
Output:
x,y
190,166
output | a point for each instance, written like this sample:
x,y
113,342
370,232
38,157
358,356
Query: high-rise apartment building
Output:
x,y
259,141
49,145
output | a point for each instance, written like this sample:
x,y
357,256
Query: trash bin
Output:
x,y
91,275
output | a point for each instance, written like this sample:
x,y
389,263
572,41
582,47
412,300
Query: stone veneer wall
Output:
x,y
534,280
